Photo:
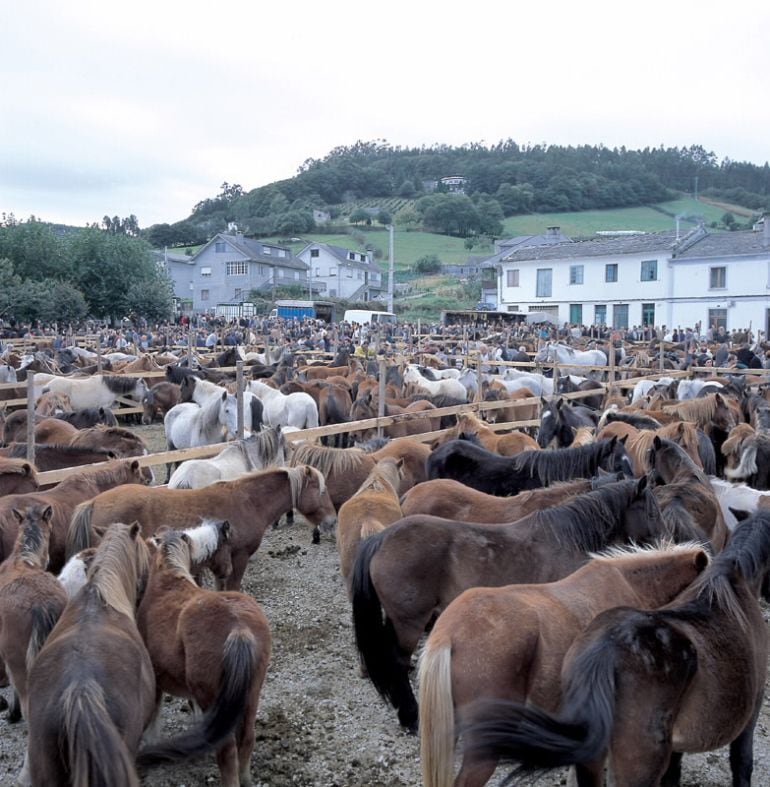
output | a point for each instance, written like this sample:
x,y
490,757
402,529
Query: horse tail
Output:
x,y
437,720
96,752
79,531
44,618
375,636
370,527
239,668
748,464
311,415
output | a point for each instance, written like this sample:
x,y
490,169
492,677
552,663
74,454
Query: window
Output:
x,y
205,271
204,295
649,270
281,252
219,247
333,293
238,294
576,313
648,314
513,278
611,272
513,307
267,250
362,257
600,314
620,315
575,274
349,273
360,275
296,275
718,319
317,271
314,252
544,281
238,268
717,278
351,255
261,270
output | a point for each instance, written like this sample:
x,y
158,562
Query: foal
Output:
x,y
210,647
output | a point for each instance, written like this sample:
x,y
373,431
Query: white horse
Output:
x,y
263,449
7,374
263,358
294,409
562,354
539,384
449,387
253,415
98,390
736,497
689,389
643,387
440,374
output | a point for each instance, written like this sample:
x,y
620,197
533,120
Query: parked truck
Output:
x,y
317,310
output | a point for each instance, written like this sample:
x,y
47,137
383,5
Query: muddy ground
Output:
x,y
319,722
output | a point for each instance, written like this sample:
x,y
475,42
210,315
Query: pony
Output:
x,y
210,647
158,401
571,384
538,384
63,499
509,643
17,476
558,418
448,387
737,500
202,391
92,686
516,412
754,464
404,576
52,402
503,444
562,354
31,601
56,457
99,390
643,687
333,401
365,407
260,450
497,475
250,503
89,416
372,508
296,409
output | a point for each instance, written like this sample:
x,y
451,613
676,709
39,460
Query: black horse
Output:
x,y
558,419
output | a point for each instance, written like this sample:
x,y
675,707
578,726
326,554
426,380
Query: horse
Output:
x,y
51,403
99,390
260,450
737,500
502,444
31,601
538,384
571,384
686,498
754,464
210,647
63,498
499,475
410,571
297,409
17,476
92,686
158,401
643,687
56,457
202,391
333,401
450,499
562,354
365,408
371,509
448,387
89,416
516,412
557,420
250,503
509,643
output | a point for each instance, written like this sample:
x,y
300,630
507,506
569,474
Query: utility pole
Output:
x,y
696,188
390,267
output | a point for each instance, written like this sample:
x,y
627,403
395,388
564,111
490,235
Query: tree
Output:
x,y
452,214
428,264
384,218
490,216
118,226
729,221
359,215
150,299
407,189
408,218
65,303
295,222
35,250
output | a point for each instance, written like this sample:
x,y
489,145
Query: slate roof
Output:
x,y
507,247
341,254
252,249
726,244
173,257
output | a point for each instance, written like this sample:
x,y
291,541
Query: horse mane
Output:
x,y
550,466
19,450
738,435
120,563
96,475
683,458
298,478
31,545
262,448
373,444
586,522
118,384
385,477
661,547
634,419
699,410
329,460
175,553
13,466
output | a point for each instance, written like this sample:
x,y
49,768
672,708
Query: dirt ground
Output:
x,y
319,722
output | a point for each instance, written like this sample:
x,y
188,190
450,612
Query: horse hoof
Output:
x,y
316,536
3,703
14,715
276,524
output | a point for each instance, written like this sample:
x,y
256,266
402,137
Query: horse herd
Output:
x,y
586,595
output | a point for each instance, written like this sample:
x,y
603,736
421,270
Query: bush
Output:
x,y
429,263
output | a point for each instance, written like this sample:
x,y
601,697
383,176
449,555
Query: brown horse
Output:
x,y
406,575
207,646
414,455
372,508
250,503
503,444
92,686
643,687
57,457
365,407
509,643
334,403
450,499
63,499
31,601
516,412
158,401
17,476
52,402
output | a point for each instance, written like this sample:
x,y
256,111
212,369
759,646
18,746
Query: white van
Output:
x,y
364,316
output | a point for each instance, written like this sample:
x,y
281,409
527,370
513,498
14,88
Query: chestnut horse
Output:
x,y
63,498
366,407
643,687
509,643
17,476
31,601
404,576
158,401
250,503
502,444
207,646
92,686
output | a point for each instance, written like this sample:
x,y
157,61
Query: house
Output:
x,y
658,279
455,184
342,273
228,267
179,269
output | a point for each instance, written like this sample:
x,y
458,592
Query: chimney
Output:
x,y
553,233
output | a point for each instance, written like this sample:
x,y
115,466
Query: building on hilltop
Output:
x,y
342,273
658,279
454,184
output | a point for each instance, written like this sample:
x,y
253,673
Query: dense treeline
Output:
x,y
91,272
518,178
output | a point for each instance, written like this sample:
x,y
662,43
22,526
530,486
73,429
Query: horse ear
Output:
x,y
701,560
739,514
225,530
559,404
224,396
27,468
719,399
641,485
656,442
47,513
613,441
135,465
623,439
17,515
135,529
400,462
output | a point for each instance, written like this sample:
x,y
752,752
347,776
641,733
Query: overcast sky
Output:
x,y
147,107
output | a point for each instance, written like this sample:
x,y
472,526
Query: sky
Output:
x,y
146,108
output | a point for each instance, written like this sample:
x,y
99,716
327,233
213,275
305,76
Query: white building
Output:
x,y
710,279
342,273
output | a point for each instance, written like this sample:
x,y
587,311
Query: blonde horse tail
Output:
x,y
371,527
96,752
44,618
748,465
79,531
437,721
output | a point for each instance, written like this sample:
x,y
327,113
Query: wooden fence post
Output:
x,y
239,397
189,347
31,417
611,376
383,373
